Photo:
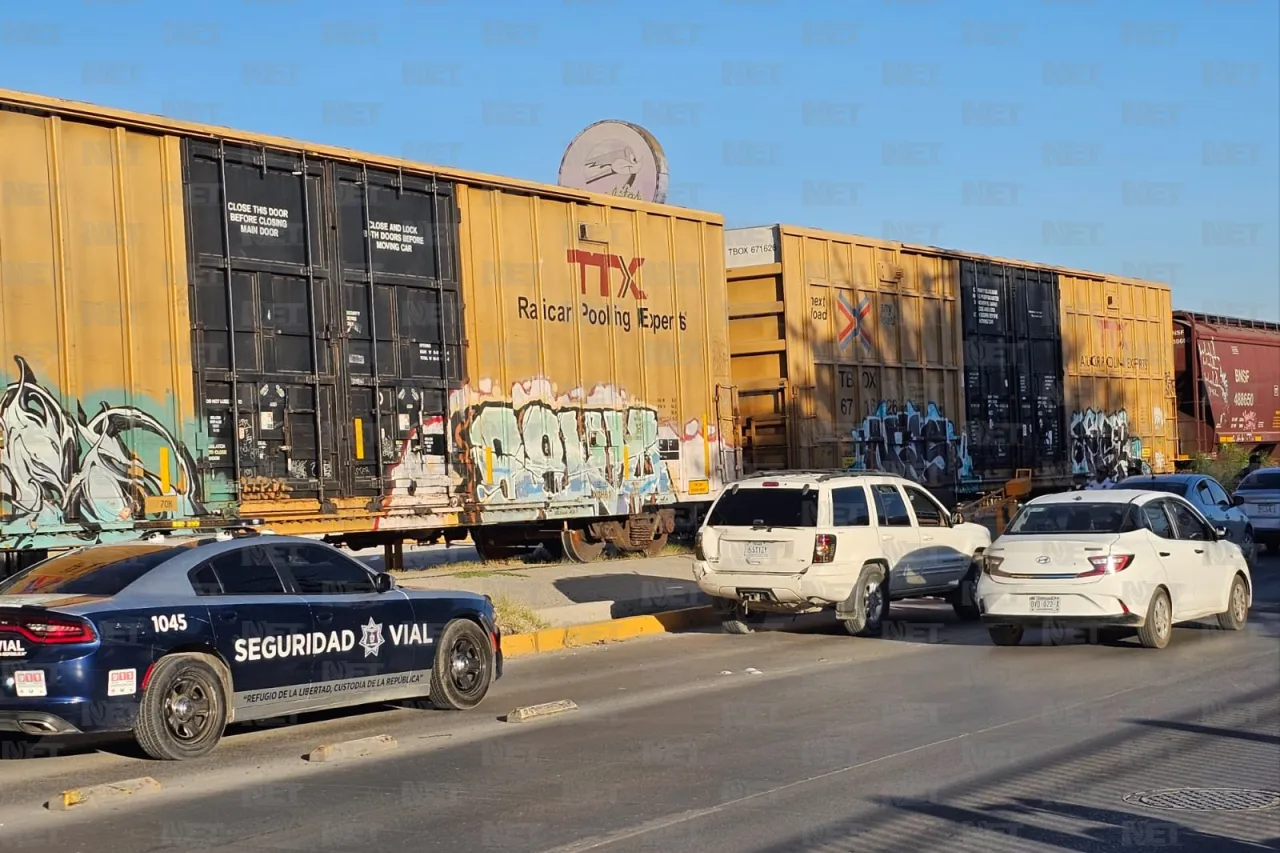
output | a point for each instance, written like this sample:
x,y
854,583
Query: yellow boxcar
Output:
x,y
207,327
953,369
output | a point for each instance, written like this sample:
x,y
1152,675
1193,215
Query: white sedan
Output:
x,y
1110,559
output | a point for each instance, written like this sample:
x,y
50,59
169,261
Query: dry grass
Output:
x,y
1225,465
516,617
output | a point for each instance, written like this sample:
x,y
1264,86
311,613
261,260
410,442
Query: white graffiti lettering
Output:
x,y
1214,377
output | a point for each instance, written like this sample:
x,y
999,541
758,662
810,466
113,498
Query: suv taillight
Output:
x,y
824,548
698,553
48,630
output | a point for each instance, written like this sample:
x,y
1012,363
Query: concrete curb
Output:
x,y
352,748
614,630
75,797
546,709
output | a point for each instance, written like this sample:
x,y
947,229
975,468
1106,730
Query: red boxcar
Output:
x,y
1227,372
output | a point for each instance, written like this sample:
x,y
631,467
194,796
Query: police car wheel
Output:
x,y
183,709
463,667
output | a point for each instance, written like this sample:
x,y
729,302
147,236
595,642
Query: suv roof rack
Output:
x,y
822,474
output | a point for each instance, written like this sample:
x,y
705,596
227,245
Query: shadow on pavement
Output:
x,y
1195,728
1120,830
19,747
632,594
992,811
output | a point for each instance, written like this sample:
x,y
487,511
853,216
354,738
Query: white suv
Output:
x,y
803,541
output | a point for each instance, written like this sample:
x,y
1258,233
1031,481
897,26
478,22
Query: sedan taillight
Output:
x,y
824,548
48,630
1107,565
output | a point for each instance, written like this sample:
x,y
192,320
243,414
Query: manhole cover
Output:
x,y
1206,799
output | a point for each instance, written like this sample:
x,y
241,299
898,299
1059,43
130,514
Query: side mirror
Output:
x,y
1237,499
384,582
957,518
1221,533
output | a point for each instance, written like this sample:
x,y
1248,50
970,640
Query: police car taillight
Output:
x,y
51,630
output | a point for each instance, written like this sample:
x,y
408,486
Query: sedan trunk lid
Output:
x,y
1068,557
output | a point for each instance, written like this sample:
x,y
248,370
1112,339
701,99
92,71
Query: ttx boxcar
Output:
x,y
951,368
205,327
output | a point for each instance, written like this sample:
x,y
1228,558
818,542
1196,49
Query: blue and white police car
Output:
x,y
172,640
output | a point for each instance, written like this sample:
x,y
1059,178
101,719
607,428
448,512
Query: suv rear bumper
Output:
x,y
788,592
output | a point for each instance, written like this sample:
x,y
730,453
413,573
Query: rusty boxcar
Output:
x,y
1228,383
206,327
952,368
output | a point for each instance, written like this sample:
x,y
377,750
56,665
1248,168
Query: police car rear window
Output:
x,y
104,570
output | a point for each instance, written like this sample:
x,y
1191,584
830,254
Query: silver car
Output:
x,y
1208,496
1258,494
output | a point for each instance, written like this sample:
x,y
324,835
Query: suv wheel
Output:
x,y
964,599
863,613
735,619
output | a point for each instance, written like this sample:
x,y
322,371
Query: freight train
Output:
x,y
211,329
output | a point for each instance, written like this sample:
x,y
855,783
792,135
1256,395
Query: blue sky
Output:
x,y
1138,138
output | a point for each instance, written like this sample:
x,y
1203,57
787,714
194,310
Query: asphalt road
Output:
x,y
790,739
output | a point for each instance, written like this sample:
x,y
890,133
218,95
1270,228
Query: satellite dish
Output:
x,y
616,158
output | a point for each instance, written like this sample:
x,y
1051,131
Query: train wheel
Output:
x,y
578,548
490,547
656,545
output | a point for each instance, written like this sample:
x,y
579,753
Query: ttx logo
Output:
x,y
604,263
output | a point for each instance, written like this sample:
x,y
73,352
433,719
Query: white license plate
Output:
x,y
1045,604
756,551
1266,509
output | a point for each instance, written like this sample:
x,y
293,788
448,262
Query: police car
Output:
x,y
172,640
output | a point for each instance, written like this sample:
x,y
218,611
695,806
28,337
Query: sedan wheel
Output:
x,y
1156,632
463,669
1249,547
1237,607
183,709
1005,635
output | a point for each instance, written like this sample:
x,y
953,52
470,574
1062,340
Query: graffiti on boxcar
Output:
x,y
1102,445
1216,385
542,447
924,447
59,468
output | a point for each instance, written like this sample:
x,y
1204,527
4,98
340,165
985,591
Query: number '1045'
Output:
x,y
163,624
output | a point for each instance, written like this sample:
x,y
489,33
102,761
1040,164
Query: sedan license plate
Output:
x,y
1044,604
1266,509
756,551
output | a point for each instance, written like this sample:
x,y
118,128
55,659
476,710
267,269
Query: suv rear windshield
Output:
x,y
104,570
766,508
1260,480
1074,518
